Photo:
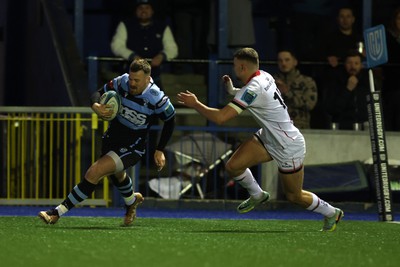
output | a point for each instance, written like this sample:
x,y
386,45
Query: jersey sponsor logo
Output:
x,y
154,92
248,97
286,165
270,83
169,110
162,102
133,116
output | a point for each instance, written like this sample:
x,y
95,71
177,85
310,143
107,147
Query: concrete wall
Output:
x,y
328,147
341,146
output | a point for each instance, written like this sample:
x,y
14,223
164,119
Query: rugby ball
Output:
x,y
113,99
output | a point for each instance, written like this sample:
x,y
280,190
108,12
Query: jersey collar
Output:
x,y
254,75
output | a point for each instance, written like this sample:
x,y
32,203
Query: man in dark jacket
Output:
x,y
346,101
142,36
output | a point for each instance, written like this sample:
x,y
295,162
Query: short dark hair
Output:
x,y
140,64
290,51
345,7
354,53
248,54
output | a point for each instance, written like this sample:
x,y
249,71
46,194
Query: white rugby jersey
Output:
x,y
262,99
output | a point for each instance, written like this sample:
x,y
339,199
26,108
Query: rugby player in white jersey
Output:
x,y
278,139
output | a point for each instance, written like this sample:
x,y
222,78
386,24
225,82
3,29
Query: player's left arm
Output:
x,y
166,134
218,116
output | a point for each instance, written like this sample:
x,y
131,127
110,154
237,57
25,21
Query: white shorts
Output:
x,y
289,159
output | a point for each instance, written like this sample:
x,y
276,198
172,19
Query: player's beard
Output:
x,y
133,90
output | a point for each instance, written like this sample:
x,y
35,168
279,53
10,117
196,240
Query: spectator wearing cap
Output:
x,y
142,36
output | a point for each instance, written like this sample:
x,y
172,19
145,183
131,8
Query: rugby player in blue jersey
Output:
x,y
124,142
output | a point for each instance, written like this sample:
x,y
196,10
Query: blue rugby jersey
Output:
x,y
137,111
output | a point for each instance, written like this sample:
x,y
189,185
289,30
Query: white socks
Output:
x,y
61,209
130,200
322,207
247,180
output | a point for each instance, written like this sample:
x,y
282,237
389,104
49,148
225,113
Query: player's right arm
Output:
x,y
103,111
218,116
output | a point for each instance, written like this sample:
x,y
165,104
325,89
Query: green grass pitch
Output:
x,y
101,241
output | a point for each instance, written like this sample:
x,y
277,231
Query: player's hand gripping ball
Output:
x,y
112,99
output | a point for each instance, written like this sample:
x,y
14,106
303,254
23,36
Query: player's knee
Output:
x,y
92,174
228,167
89,174
231,170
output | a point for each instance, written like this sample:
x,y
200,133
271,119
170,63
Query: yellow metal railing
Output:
x,y
45,151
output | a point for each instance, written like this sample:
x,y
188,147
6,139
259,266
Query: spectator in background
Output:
x,y
346,93
142,36
342,39
298,91
391,75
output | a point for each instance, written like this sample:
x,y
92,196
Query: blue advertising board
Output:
x,y
375,46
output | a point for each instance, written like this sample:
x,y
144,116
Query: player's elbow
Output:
x,y
224,115
220,120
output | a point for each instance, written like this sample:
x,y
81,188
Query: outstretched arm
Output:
x,y
218,116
